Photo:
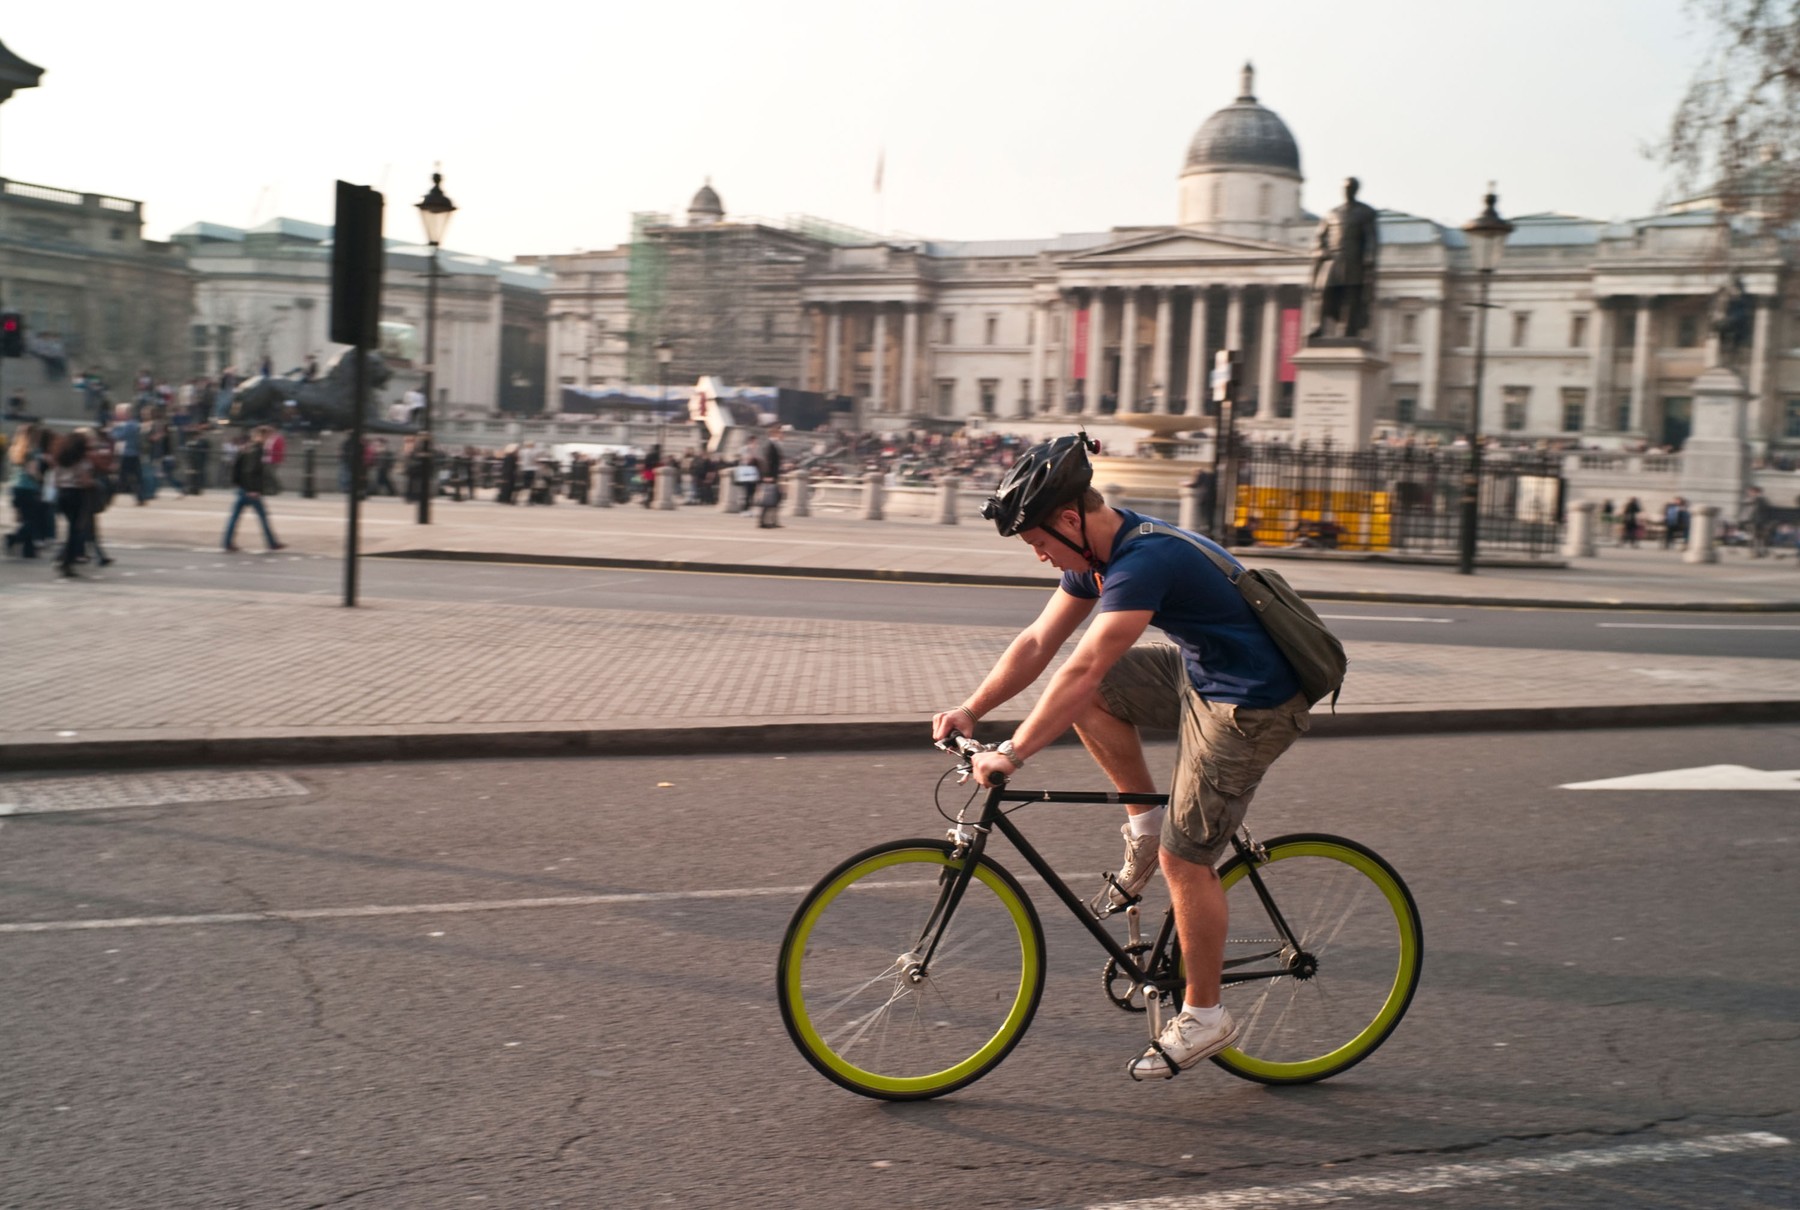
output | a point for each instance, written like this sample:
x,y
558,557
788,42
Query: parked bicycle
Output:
x,y
914,967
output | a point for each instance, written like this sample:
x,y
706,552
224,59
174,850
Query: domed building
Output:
x,y
1596,330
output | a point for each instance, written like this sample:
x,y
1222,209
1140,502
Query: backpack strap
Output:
x,y
1232,568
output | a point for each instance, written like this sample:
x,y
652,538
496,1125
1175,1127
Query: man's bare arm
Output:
x,y
1076,682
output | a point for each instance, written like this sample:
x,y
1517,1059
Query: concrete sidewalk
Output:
x,y
118,669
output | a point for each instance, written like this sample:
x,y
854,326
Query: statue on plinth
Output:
x,y
1343,276
1731,318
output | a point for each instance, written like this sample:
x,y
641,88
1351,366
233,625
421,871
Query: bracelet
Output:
x,y
1005,748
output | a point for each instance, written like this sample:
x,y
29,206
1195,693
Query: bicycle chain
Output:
x,y
1110,975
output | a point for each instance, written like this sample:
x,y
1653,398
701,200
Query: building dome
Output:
x,y
1244,135
706,208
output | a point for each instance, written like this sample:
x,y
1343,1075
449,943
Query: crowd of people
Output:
x,y
1755,525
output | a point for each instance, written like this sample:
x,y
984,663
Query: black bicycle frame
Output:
x,y
994,819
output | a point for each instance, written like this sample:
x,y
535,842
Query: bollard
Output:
x,y
730,491
309,488
1578,538
872,495
663,491
1702,526
802,506
1191,520
603,485
947,501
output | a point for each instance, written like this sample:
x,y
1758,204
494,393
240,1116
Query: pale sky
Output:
x,y
554,121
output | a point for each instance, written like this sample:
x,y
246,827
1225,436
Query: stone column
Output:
x,y
1578,537
1096,351
1268,355
1040,325
801,483
1128,383
603,485
1640,362
1762,401
947,500
872,496
1162,358
909,359
878,387
1702,526
1234,318
1600,380
1198,360
1065,353
1431,355
834,341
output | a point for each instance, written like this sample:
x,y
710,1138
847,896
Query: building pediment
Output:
x,y
1182,246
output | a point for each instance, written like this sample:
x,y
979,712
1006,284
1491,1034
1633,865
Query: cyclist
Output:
x,y
1221,684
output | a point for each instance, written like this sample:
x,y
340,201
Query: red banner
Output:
x,y
1080,337
1290,342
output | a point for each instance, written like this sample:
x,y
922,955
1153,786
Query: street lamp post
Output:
x,y
435,210
665,353
1487,236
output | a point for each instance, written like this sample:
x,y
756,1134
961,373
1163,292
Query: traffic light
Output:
x,y
12,334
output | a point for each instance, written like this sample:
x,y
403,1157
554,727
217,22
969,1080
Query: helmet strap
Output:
x,y
1086,549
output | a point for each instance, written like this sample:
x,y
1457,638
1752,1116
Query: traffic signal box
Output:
x,y
12,334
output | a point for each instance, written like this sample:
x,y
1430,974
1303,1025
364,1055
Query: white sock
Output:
x,y
1205,1016
1147,823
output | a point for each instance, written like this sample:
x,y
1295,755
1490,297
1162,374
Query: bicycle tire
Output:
x,y
1362,948
848,1004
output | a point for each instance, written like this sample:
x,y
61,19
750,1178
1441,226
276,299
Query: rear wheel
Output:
x,y
1313,1009
853,994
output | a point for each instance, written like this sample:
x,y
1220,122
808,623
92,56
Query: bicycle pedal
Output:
x,y
1109,882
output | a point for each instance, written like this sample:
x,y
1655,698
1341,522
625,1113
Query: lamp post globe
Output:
x,y
1486,233
435,209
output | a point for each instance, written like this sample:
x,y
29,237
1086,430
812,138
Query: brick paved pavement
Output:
x,y
105,660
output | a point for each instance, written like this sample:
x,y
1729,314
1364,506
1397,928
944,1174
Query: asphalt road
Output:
x,y
1770,636
1607,1016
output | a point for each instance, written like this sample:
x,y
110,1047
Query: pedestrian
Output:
x,y
1674,515
248,475
509,473
30,460
128,437
1221,683
384,468
1628,522
768,466
527,472
1606,519
274,454
72,479
1754,517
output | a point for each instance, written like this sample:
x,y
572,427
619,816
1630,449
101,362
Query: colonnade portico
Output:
x,y
1179,357
893,373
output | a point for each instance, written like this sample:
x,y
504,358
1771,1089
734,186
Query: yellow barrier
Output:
x,y
1283,515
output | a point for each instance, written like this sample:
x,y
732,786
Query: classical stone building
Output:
x,y
264,294
1596,328
96,295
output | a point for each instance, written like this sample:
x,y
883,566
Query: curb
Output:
x,y
970,579
800,737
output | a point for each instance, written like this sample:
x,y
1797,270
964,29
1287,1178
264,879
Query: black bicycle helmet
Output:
x,y
1048,476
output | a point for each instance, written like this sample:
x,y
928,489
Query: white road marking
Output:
x,y
1454,1176
1366,617
1683,626
1704,777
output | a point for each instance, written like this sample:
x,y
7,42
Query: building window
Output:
x,y
1515,400
990,392
1465,331
1213,213
1521,329
1024,396
567,380
1622,412
1791,427
200,334
948,335
1406,409
1687,331
946,397
223,336
1628,328
1574,401
1264,200
992,334
1409,327
1578,331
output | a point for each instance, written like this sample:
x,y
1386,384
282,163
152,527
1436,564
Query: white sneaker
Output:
x,y
1143,855
1183,1043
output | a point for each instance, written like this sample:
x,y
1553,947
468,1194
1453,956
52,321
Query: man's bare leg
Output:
x,y
1117,749
1201,916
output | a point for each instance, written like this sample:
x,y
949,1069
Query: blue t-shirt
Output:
x,y
1229,656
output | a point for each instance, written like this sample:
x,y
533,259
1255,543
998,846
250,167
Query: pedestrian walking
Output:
x,y
29,456
248,475
1754,517
768,465
72,478
1628,522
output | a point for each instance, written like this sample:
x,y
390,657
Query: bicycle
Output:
x,y
914,967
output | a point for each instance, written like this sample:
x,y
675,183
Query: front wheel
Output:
x,y
861,1002
1318,996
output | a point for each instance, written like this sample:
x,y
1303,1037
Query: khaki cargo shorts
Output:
x,y
1223,750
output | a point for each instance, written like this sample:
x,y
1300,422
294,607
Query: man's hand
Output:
x,y
986,764
946,721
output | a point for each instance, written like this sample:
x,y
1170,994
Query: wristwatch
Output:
x,y
1005,748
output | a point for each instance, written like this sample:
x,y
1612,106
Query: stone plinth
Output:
x,y
1335,388
1715,462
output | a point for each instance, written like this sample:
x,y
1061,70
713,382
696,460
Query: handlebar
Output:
x,y
961,745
